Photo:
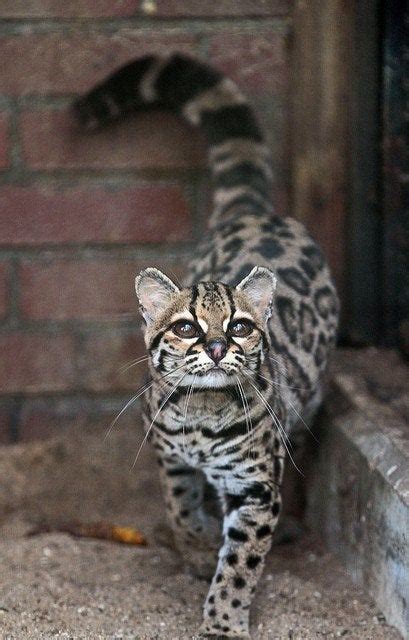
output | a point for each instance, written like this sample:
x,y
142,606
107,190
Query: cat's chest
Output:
x,y
196,435
197,412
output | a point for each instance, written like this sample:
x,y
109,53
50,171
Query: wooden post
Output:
x,y
334,138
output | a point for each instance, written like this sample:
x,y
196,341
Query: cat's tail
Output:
x,y
238,157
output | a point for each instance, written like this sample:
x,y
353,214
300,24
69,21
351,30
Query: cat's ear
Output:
x,y
259,287
154,291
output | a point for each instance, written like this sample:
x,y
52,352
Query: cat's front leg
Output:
x,y
247,531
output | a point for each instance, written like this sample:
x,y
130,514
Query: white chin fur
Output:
x,y
213,379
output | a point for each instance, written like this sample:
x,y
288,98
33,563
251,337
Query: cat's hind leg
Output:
x,y
189,505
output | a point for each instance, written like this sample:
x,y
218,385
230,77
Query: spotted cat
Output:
x,y
238,353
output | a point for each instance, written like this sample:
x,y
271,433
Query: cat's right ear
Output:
x,y
259,287
154,291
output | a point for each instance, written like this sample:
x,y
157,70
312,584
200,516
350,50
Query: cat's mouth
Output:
x,y
220,370
218,375
213,377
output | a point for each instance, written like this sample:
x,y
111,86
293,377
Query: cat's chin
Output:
x,y
212,379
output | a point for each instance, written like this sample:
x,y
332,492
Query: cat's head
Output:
x,y
209,333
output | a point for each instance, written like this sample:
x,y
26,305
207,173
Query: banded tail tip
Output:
x,y
116,95
84,116
95,109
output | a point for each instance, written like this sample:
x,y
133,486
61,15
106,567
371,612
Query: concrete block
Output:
x,y
358,493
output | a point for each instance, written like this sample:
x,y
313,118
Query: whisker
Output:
x,y
303,421
284,432
132,363
248,409
285,373
280,364
165,375
188,395
276,361
145,388
249,424
284,437
290,403
278,384
155,416
244,409
139,393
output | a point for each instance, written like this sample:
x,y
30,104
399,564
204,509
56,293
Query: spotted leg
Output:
x,y
197,532
250,518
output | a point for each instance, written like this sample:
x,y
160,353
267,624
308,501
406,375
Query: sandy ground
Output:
x,y
56,586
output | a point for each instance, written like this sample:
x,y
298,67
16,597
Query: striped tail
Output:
x,y
238,157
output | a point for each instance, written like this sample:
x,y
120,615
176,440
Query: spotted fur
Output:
x,y
221,405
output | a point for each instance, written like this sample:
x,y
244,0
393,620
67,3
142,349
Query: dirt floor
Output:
x,y
54,585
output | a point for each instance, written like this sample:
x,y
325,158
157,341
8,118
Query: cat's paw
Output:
x,y
223,636
206,633
201,564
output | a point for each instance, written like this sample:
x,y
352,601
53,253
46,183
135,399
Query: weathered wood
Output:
x,y
321,123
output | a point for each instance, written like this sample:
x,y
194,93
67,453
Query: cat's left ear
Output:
x,y
154,291
259,287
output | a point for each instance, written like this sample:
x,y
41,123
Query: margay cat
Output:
x,y
237,355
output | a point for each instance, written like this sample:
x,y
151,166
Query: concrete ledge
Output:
x,y
358,496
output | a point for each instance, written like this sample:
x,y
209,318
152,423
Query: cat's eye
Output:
x,y
241,328
185,329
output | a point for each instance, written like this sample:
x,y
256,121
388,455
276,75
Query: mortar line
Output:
x,y
177,25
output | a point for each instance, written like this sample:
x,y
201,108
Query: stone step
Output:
x,y
358,489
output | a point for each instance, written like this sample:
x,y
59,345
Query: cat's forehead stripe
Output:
x,y
195,293
229,295
182,315
212,296
242,314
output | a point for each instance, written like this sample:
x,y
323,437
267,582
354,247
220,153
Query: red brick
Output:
x,y
257,62
105,357
84,290
217,8
42,418
52,63
157,140
4,141
73,9
34,363
33,216
3,288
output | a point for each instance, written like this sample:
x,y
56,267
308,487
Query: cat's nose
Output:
x,y
216,350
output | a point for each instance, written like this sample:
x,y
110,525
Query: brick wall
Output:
x,y
80,215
